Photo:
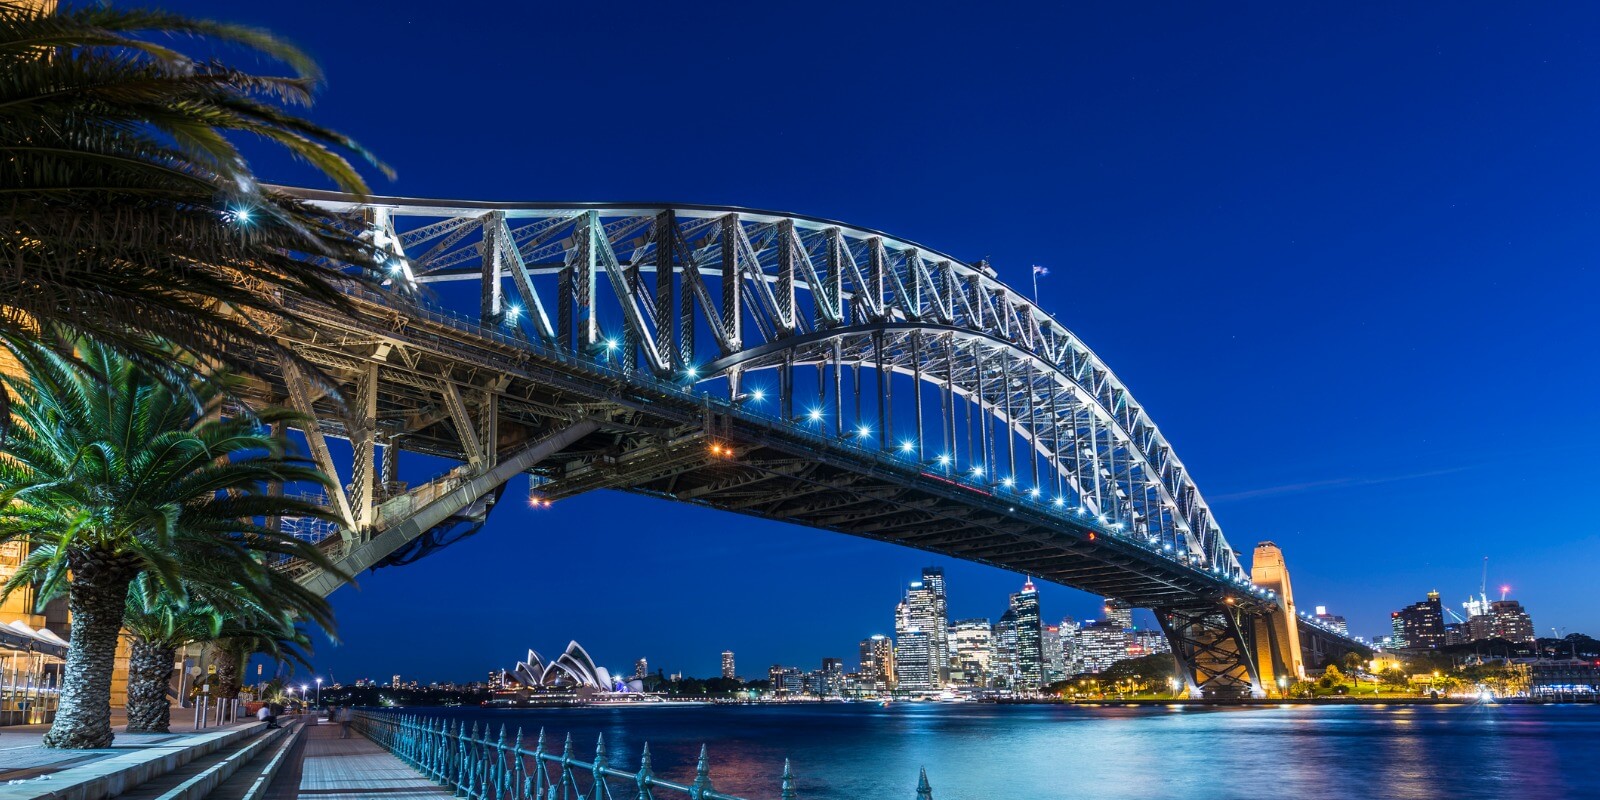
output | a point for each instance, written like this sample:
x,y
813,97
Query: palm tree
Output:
x,y
159,632
110,473
128,214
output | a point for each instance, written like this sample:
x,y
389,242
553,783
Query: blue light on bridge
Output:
x,y
907,446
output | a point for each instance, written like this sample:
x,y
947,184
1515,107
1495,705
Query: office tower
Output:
x,y
1147,642
1511,622
877,663
394,683
938,623
1030,638
1101,644
1119,613
913,667
641,668
728,671
1071,657
1421,625
972,643
1054,664
1003,664
923,609
830,679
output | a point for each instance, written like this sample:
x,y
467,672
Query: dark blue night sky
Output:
x,y
1344,256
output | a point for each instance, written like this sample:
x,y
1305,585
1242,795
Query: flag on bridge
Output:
x,y
1037,271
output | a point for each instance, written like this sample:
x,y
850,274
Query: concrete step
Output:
x,y
253,780
200,777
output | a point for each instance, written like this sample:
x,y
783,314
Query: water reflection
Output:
x,y
974,752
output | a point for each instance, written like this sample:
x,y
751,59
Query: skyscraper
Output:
x,y
1030,638
939,622
877,662
1071,649
913,666
1421,624
1003,664
1511,622
1054,663
727,666
972,641
923,611
1119,613
1102,644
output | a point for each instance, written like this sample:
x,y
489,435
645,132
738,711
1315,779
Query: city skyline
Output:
x,y
1290,333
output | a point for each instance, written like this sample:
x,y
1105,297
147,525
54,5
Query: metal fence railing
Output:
x,y
486,766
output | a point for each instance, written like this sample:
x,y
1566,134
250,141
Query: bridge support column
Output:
x,y
1212,652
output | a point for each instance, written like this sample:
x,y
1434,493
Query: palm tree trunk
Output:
x,y
226,655
98,594
149,672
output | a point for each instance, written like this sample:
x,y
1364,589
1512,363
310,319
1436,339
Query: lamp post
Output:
x,y
1283,686
319,693
303,693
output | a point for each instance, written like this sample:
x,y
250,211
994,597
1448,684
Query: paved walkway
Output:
x,y
24,756
331,768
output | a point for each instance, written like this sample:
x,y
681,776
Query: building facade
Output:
x,y
1003,667
913,663
972,645
1420,625
1030,638
728,670
1101,644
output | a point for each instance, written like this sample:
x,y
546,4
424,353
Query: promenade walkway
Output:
x,y
23,755
331,768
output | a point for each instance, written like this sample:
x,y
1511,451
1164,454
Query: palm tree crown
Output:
x,y
127,212
110,473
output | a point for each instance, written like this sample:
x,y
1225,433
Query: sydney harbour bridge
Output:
x,y
768,364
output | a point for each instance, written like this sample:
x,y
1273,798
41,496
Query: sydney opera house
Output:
x,y
573,670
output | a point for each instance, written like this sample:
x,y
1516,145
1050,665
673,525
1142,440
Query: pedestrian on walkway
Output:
x,y
344,716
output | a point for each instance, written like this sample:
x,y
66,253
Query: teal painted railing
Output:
x,y
482,765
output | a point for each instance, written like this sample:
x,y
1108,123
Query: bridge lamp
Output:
x,y
611,344
1008,483
864,431
1034,492
815,415
944,459
907,446
691,371
977,471
1059,502
512,312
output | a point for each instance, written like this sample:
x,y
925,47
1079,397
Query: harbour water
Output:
x,y
861,751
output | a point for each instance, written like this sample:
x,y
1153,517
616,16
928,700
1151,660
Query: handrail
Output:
x,y
485,766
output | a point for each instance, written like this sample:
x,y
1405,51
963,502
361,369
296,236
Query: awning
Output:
x,y
18,637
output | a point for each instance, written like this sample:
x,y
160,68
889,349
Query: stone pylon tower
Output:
x,y
1278,635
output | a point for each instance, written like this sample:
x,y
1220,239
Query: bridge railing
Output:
x,y
486,766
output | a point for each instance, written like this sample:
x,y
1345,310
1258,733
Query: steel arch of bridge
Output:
x,y
810,292
622,347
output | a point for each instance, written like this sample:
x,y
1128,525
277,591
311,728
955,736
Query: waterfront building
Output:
x,y
786,681
728,672
924,609
1511,622
1332,620
1102,644
877,663
1003,661
972,645
913,667
1564,678
1119,613
573,669
641,668
830,679
1421,624
1030,638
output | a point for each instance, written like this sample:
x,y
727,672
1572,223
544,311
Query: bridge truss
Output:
x,y
774,365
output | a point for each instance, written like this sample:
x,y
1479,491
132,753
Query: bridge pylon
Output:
x,y
1277,634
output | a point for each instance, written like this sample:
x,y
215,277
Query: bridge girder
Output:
x,y
1013,399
